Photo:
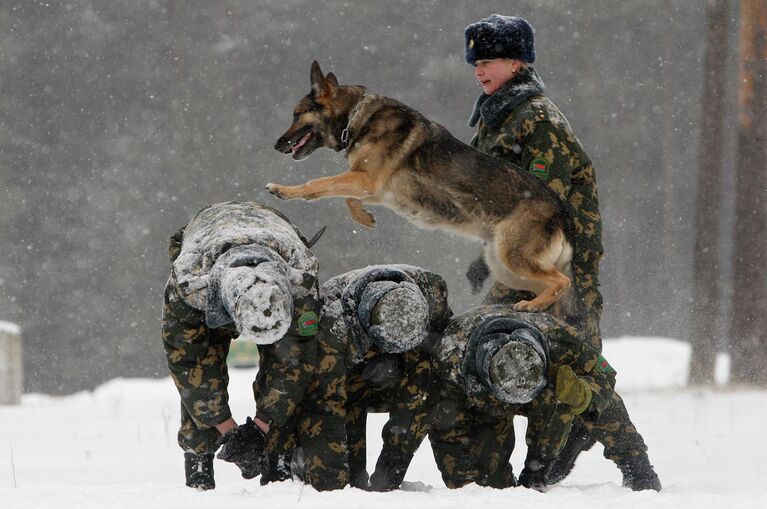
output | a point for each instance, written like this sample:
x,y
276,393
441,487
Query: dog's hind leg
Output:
x,y
359,214
529,252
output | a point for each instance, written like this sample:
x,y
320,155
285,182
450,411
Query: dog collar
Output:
x,y
345,132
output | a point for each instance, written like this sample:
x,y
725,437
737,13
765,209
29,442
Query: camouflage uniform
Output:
x,y
196,353
535,136
520,125
397,383
473,436
317,424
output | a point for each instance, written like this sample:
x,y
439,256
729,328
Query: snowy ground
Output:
x,y
115,447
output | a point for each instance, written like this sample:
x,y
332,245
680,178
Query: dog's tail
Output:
x,y
571,305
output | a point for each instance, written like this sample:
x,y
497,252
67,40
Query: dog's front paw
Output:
x,y
527,306
278,191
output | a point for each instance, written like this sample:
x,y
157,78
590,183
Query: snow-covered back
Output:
x,y
245,263
220,227
400,318
336,284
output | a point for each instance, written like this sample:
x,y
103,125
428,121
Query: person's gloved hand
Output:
x,y
572,390
477,273
244,446
535,475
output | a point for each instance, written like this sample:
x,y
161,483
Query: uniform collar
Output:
x,y
493,109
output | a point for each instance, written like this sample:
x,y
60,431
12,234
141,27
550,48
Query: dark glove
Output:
x,y
477,273
535,475
244,446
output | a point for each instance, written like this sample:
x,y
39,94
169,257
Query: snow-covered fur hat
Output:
x,y
511,365
385,307
493,349
250,286
244,263
500,37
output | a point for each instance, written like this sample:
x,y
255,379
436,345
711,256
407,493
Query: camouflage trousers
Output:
x,y
473,436
317,422
405,400
196,357
322,441
193,435
200,438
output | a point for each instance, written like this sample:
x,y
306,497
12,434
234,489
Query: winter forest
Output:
x,y
120,120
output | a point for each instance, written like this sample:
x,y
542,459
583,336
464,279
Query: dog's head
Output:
x,y
320,116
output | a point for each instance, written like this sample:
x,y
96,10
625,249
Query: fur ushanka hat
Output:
x,y
500,37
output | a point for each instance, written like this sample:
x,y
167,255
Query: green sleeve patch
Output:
x,y
604,366
307,324
540,168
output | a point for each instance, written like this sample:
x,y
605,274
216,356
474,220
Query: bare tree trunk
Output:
x,y
749,322
670,151
706,310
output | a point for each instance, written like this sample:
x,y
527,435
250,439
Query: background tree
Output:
x,y
707,266
749,307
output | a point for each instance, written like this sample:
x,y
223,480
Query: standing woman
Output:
x,y
517,123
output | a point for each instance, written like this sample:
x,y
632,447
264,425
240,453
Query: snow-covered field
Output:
x,y
116,447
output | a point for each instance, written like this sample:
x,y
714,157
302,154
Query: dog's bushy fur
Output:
x,y
400,159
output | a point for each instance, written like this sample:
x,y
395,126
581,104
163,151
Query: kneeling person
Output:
x,y
393,315
496,363
239,271
380,318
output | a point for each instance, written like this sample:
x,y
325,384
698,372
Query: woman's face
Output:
x,y
492,74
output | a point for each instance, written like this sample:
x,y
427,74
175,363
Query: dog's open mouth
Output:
x,y
300,143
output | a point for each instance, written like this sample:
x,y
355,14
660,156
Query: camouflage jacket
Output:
x,y
565,345
548,421
395,383
520,125
196,353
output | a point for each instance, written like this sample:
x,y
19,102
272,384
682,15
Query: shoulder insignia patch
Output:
x,y
540,168
604,366
307,324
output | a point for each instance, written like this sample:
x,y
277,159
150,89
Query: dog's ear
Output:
x,y
319,84
331,79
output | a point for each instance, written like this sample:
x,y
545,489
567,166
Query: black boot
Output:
x,y
390,470
578,441
638,473
199,470
277,468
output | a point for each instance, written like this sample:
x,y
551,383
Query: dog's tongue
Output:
x,y
301,142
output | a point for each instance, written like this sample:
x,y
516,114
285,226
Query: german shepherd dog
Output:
x,y
400,159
